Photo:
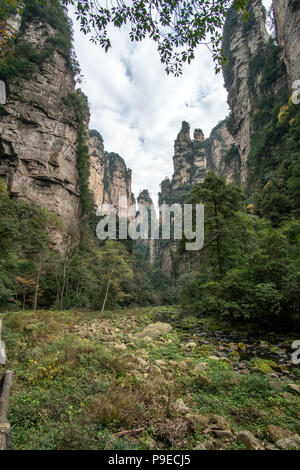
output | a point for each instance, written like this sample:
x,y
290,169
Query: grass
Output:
x,y
74,388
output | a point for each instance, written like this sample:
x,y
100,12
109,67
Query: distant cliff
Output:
x,y
150,247
110,179
47,155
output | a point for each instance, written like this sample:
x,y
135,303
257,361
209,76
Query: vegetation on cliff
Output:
x,y
21,57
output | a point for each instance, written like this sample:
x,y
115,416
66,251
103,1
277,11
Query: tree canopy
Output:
x,y
177,27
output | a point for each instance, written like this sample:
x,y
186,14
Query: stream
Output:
x,y
245,345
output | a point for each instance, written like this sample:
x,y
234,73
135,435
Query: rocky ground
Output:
x,y
149,379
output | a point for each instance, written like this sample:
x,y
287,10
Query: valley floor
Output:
x,y
89,381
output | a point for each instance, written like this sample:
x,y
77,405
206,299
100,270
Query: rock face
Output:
x,y
242,42
192,159
110,179
150,245
287,17
190,167
189,157
38,134
222,154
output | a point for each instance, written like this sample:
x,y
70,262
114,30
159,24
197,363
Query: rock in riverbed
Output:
x,y
153,330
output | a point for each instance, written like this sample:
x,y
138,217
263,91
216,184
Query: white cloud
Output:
x,y
138,109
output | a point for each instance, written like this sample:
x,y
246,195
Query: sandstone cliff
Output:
x,y
287,17
222,154
110,179
44,125
242,42
151,246
189,157
39,131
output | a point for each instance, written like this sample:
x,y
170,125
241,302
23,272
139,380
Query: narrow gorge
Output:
x,y
140,344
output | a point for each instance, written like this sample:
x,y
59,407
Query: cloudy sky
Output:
x,y
138,109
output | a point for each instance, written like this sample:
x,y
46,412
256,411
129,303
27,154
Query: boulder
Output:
x,y
200,367
198,422
249,441
274,433
234,356
179,407
154,370
142,362
190,345
223,433
219,422
160,362
289,443
200,446
120,347
294,388
204,380
154,330
242,347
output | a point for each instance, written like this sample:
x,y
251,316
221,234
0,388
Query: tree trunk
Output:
x,y
218,241
37,285
107,289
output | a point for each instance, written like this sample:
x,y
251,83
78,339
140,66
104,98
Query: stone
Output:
x,y
154,370
198,422
219,422
147,339
249,441
214,358
200,367
223,433
200,446
179,407
242,347
265,366
283,369
160,362
234,356
142,362
289,443
294,388
173,363
183,365
204,380
269,446
120,347
190,345
274,433
154,330
209,444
